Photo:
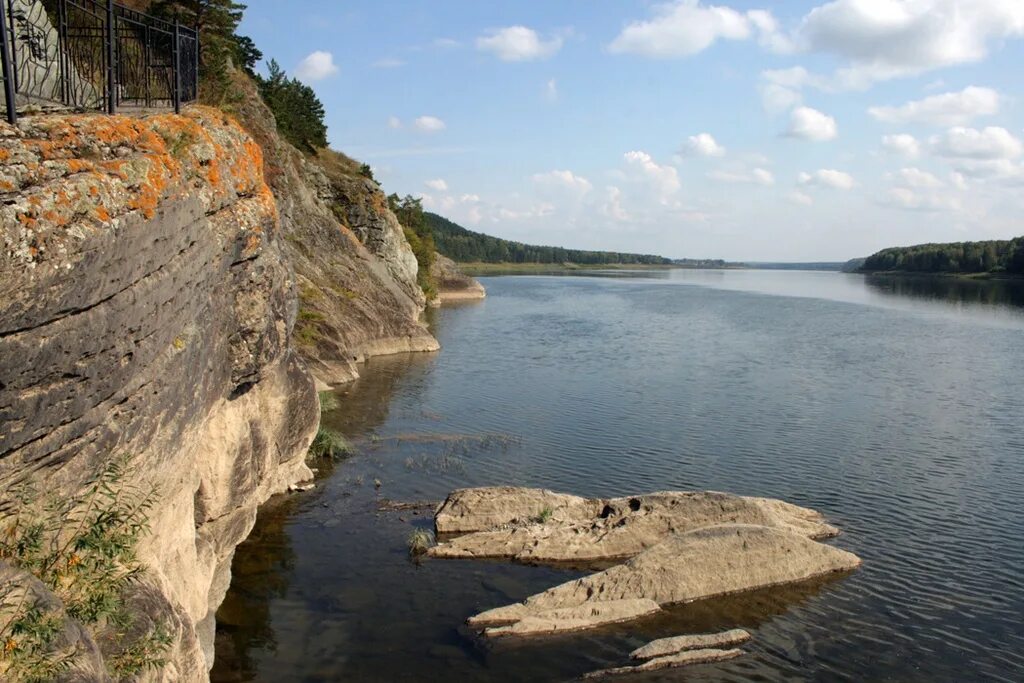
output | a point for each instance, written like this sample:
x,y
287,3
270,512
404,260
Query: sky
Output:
x,y
769,131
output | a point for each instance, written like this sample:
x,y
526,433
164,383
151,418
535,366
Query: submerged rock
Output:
x,y
680,659
695,565
536,525
671,646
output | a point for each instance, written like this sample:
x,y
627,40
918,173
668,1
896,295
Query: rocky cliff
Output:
x,y
356,274
152,273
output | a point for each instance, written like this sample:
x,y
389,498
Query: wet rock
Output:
x,y
670,661
576,618
699,564
670,646
535,525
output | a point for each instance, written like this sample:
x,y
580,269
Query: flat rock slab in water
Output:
x,y
695,565
536,525
680,659
670,646
577,618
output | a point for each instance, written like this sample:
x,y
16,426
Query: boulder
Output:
x,y
540,526
707,562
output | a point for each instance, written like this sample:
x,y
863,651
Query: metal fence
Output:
x,y
94,54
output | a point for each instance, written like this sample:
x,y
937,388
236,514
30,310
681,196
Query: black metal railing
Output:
x,y
94,54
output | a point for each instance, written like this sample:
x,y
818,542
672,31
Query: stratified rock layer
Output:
x,y
355,272
708,562
145,310
534,525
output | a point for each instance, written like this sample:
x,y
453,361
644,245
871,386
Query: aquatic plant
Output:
x,y
420,541
328,401
328,444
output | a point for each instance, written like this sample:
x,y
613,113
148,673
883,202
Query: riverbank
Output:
x,y
480,268
944,276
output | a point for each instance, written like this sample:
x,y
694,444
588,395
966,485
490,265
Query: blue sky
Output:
x,y
741,130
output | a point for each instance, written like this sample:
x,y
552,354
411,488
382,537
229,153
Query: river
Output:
x,y
894,406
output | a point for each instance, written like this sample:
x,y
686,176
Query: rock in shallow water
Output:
x,y
536,525
671,646
670,661
699,564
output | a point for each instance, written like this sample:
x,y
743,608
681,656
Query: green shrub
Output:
x,y
83,549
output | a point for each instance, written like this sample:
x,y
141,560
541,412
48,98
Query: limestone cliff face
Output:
x,y
146,306
356,274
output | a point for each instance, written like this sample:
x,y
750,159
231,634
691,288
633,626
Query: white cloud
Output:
x,y
686,27
551,90
916,200
663,179
915,177
810,124
316,66
703,145
429,124
612,207
518,44
564,180
827,177
394,122
757,176
902,144
949,109
437,184
884,39
798,197
970,143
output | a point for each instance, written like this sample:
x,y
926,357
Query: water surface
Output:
x,y
893,406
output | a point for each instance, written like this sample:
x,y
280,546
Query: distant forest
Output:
x,y
466,246
996,256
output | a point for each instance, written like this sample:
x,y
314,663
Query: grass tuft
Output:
x,y
420,541
328,401
328,444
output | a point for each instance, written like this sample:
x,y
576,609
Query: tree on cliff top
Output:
x,y
216,21
299,113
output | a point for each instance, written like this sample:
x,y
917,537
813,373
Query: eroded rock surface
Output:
x,y
671,646
535,525
705,656
707,562
145,311
355,272
452,284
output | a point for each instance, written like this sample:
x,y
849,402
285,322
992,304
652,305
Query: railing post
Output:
x,y
5,57
177,66
111,39
195,63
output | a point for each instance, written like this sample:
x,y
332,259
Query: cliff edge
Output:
x,y
145,312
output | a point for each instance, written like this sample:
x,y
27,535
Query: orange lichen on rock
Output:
x,y
86,171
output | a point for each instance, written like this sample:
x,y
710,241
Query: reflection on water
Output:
x,y
951,290
893,407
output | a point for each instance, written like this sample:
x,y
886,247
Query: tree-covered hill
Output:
x,y
466,246
995,256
